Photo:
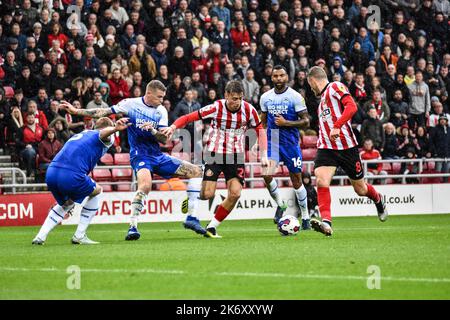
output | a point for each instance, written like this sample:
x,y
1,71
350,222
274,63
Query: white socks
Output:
x,y
302,201
136,207
213,224
89,210
55,216
275,192
193,193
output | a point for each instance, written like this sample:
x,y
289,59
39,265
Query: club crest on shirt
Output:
x,y
325,114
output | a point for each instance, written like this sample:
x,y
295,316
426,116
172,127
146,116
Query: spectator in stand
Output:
x,y
251,88
61,128
57,34
419,108
176,90
239,35
399,109
90,63
383,111
422,143
405,140
27,142
359,90
438,111
440,145
390,143
370,153
97,102
143,62
118,88
179,63
410,167
372,128
53,111
47,150
39,115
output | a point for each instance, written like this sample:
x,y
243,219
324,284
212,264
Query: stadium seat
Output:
x,y
122,159
101,174
123,187
429,167
221,185
106,187
309,154
257,171
309,142
107,159
258,184
9,92
387,167
396,167
122,174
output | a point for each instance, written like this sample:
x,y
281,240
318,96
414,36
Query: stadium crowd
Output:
x,y
96,53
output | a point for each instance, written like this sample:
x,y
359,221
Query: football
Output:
x,y
288,226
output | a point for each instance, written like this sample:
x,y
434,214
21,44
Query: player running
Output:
x,y
230,118
337,147
145,153
283,113
68,178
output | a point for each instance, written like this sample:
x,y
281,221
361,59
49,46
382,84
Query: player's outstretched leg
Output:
x,y
88,211
137,205
365,189
274,192
55,216
302,201
190,206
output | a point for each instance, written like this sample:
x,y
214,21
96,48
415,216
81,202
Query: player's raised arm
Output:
x,y
93,113
120,125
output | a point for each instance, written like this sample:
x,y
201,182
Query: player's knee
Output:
x,y
267,179
360,190
234,195
322,183
206,195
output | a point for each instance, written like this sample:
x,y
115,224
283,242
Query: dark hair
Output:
x,y
234,86
279,67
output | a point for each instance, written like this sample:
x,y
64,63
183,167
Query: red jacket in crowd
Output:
x,y
196,63
63,39
373,154
48,150
32,137
115,87
239,38
41,119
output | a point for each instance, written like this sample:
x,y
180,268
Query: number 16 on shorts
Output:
x,y
297,162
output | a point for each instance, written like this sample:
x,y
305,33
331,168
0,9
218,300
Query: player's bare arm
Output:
x,y
120,125
158,134
303,122
263,116
93,113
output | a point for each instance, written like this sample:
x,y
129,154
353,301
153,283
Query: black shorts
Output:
x,y
231,168
349,160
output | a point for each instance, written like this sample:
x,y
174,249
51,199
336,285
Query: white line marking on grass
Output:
x,y
246,229
235,274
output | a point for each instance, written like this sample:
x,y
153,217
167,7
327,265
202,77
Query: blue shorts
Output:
x,y
66,184
290,156
162,164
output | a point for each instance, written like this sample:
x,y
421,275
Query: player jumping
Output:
x,y
283,112
337,147
145,153
231,118
68,178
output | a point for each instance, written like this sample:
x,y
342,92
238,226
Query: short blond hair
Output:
x,y
317,73
155,85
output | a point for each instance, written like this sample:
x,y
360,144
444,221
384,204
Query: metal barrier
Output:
x,y
308,165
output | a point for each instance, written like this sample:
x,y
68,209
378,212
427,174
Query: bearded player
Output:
x,y
283,113
337,147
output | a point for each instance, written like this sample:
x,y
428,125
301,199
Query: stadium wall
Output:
x,y
32,209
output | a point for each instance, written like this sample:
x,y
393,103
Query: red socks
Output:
x,y
372,193
221,213
324,199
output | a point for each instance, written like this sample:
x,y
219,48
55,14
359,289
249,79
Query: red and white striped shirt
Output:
x,y
227,130
330,110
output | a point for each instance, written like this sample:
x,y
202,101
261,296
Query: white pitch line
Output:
x,y
236,274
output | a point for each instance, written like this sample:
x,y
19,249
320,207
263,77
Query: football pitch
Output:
x,y
407,257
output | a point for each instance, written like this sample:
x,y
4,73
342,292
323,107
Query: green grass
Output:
x,y
252,261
